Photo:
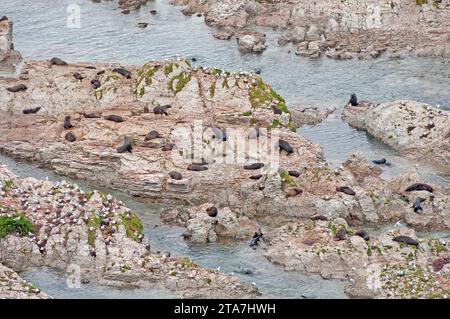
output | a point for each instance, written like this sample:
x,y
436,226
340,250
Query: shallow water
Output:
x,y
106,35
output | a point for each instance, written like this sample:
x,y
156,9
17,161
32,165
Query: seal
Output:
x,y
175,175
123,72
363,234
70,137
254,166
126,147
319,217
353,100
91,116
95,84
161,110
285,146
294,173
406,240
256,238
78,76
417,205
196,168
439,263
381,161
57,61
17,88
419,187
167,147
276,110
341,234
212,211
67,124
152,135
256,177
31,111
346,190
114,118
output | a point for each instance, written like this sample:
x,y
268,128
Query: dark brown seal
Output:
x,y
70,137
31,111
212,211
57,61
67,123
152,135
346,190
114,118
406,240
17,88
175,175
254,166
196,168
126,147
419,187
123,72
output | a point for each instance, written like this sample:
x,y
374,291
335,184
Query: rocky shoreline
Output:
x,y
9,58
341,30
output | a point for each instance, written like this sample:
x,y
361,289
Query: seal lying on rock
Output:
x,y
175,175
341,234
17,88
419,187
406,240
353,100
285,146
67,123
255,240
161,110
416,205
363,234
382,161
167,147
212,211
256,177
346,190
196,168
152,135
254,166
319,217
96,84
276,110
91,116
294,173
126,147
57,61
78,76
123,72
70,137
31,111
114,118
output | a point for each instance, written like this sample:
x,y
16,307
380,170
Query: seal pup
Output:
x,y
95,84
381,161
57,61
67,123
70,137
416,205
363,234
254,166
419,187
17,88
78,76
161,110
353,100
196,168
152,135
341,234
285,146
319,217
31,111
256,177
346,190
123,72
126,147
175,175
406,240
255,240
114,118
212,211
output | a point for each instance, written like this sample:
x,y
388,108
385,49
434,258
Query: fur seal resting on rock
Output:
x,y
152,135
419,187
406,240
17,88
91,116
67,124
416,205
285,146
382,161
78,76
276,110
57,61
161,110
176,175
196,168
254,166
167,147
363,234
31,111
256,177
212,211
114,118
255,240
123,72
294,173
346,190
341,234
126,147
96,84
70,137
319,217
353,100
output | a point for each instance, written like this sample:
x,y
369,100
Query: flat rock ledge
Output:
x,y
202,228
417,130
57,225
375,268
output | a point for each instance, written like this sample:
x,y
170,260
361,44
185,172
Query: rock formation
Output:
x,y
9,58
